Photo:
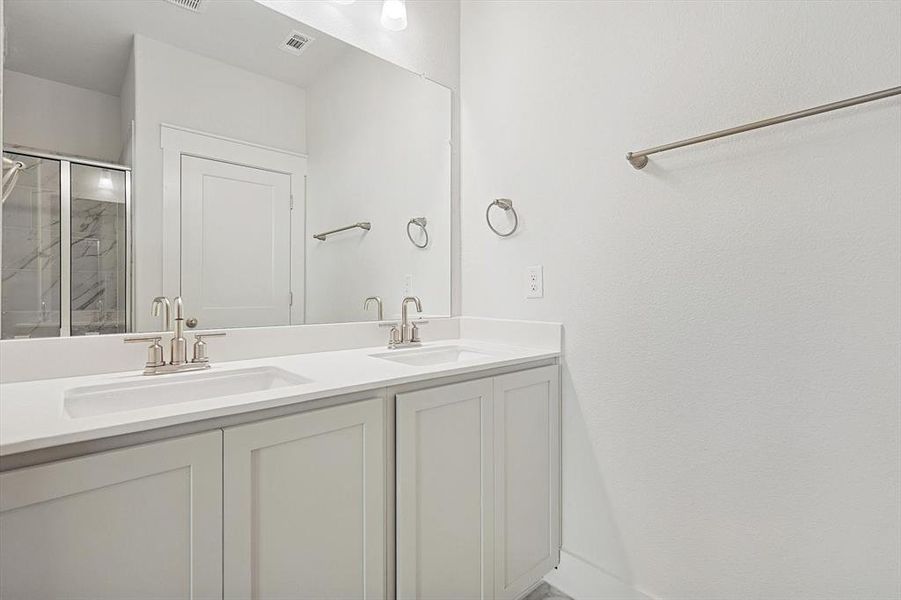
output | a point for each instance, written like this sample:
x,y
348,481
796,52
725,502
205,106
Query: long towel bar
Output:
x,y
640,159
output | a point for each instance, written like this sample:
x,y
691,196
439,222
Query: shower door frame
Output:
x,y
65,234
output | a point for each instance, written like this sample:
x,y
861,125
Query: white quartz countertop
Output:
x,y
33,414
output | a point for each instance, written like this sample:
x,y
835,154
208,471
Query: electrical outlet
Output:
x,y
534,282
408,285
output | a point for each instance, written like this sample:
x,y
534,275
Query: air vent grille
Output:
x,y
192,5
296,42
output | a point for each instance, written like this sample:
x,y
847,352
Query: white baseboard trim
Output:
x,y
584,581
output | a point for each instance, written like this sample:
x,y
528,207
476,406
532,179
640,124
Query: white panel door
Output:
x,y
235,244
444,499
304,506
527,479
138,523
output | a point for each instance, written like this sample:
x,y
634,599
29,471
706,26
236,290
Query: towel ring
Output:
x,y
421,222
507,205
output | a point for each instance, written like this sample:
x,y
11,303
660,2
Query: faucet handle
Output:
x,y
154,350
415,332
203,334
200,355
142,338
394,334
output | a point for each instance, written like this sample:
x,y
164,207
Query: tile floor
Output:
x,y
545,591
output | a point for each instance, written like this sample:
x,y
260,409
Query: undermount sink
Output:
x,y
160,390
429,356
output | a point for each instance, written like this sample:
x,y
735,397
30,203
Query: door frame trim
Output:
x,y
176,141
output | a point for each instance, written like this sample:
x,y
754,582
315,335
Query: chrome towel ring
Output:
x,y
507,205
421,222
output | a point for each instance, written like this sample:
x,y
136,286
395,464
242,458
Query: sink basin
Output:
x,y
428,356
160,390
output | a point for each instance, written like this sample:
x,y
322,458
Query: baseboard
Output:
x,y
583,581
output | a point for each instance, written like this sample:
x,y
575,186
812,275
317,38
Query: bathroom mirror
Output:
x,y
264,171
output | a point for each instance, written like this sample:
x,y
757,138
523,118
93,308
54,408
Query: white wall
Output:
x,y
127,113
430,45
61,118
188,90
379,151
731,391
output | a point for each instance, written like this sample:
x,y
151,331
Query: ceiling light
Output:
x,y
106,181
394,15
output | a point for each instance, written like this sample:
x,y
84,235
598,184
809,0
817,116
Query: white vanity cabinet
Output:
x,y
304,505
526,430
478,486
141,522
450,492
444,492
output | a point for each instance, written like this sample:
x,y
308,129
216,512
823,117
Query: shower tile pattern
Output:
x,y
98,251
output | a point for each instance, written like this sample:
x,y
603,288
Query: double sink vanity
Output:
x,y
285,434
422,472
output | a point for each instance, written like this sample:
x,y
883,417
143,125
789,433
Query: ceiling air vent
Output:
x,y
192,5
296,42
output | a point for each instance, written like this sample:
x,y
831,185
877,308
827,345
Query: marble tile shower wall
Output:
x,y
31,258
98,282
31,254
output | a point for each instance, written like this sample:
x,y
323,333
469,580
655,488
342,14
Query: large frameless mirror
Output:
x,y
264,171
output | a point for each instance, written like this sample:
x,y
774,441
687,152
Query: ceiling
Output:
x,y
87,43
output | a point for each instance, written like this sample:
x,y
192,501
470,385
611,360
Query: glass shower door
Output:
x,y
31,262
98,277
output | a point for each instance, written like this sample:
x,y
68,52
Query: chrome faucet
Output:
x,y
378,302
156,364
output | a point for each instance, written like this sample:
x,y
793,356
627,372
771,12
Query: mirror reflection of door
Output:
x,y
235,244
108,84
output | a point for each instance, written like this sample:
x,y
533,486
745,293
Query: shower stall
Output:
x,y
66,226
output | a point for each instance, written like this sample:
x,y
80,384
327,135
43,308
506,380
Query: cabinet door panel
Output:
x,y
444,482
305,505
142,522
527,475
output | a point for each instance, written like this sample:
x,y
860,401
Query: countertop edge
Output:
x,y
35,444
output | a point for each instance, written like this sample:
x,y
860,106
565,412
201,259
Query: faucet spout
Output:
x,y
406,330
415,300
167,315
378,303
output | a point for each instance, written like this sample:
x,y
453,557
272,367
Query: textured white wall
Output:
x,y
188,90
56,117
731,390
379,151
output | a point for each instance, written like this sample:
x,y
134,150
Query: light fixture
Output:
x,y
394,15
106,181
